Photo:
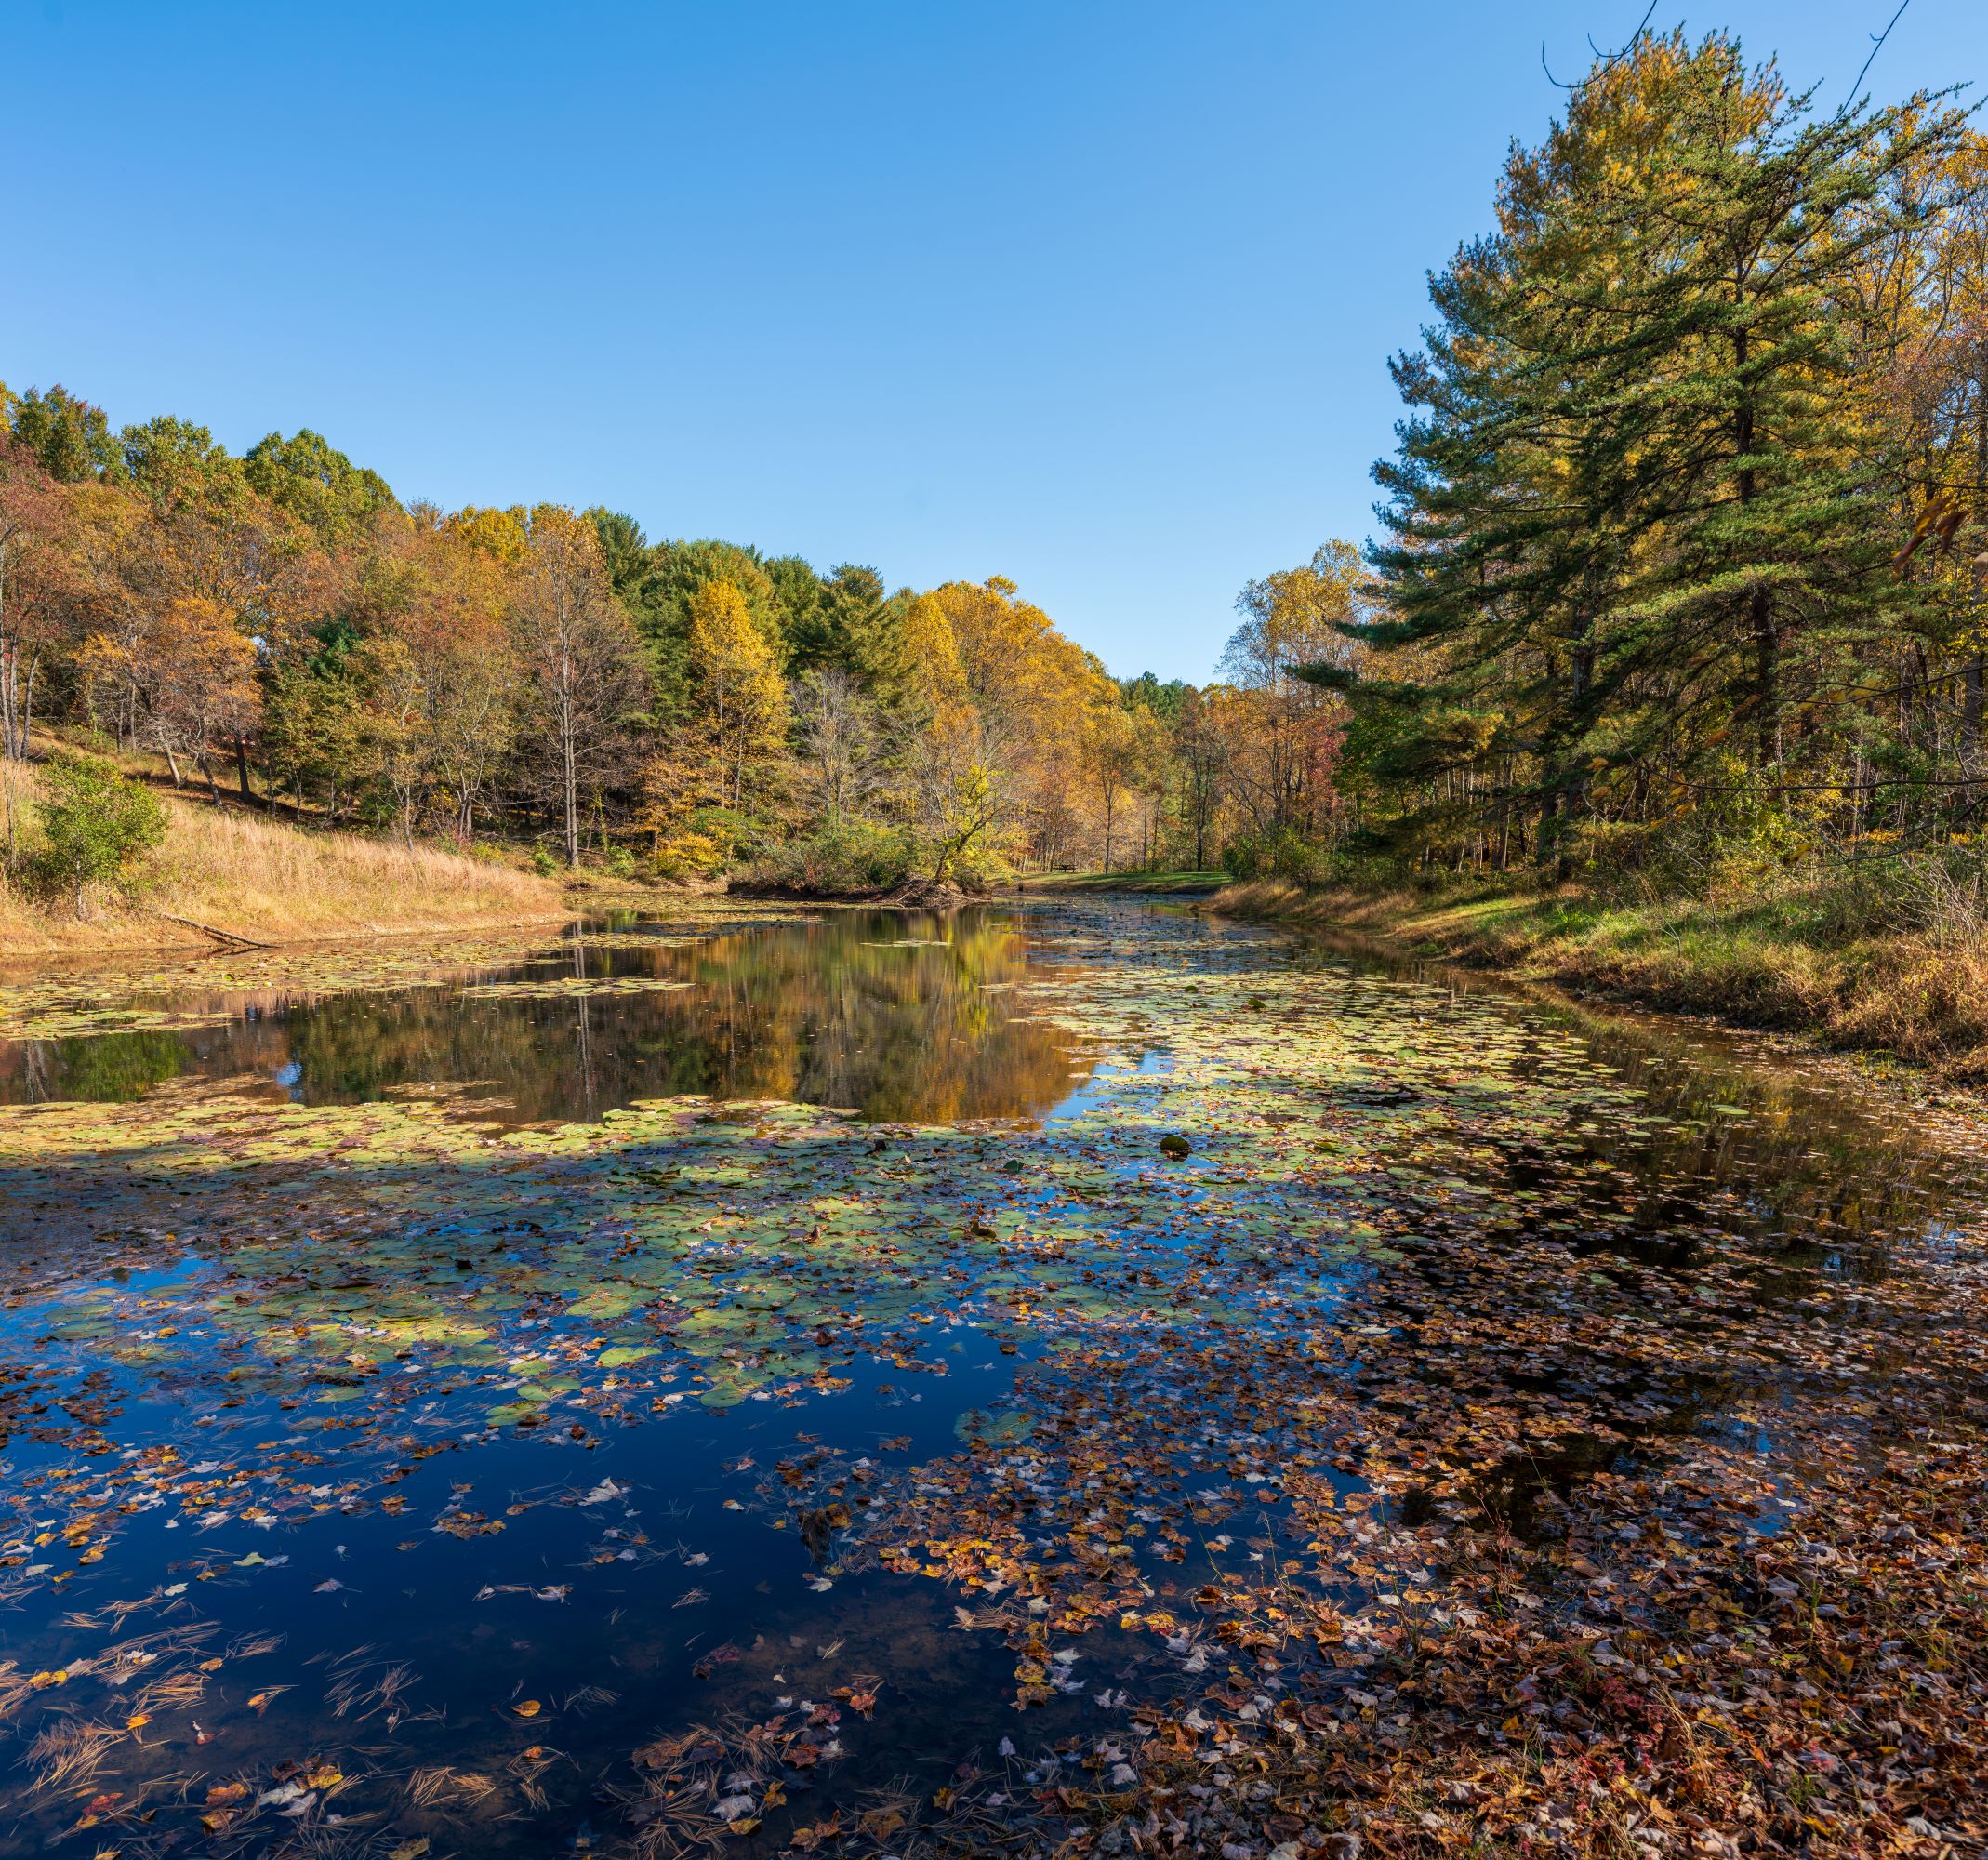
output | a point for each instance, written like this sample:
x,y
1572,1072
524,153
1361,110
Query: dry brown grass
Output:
x,y
1802,959
271,882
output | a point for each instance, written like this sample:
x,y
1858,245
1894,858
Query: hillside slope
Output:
x,y
270,882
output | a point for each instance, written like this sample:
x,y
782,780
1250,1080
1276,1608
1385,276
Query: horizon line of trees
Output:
x,y
282,624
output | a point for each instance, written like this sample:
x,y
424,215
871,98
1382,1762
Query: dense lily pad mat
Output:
x,y
1483,1432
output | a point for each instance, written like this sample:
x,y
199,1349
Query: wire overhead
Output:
x,y
1877,45
1612,58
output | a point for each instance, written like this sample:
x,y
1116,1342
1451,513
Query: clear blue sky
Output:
x,y
1098,296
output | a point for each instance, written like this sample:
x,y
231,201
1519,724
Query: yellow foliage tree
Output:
x,y
742,702
932,652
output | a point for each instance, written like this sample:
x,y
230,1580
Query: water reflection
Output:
x,y
687,1420
1727,1135
894,1015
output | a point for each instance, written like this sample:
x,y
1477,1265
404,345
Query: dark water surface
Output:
x,y
434,1405
892,1014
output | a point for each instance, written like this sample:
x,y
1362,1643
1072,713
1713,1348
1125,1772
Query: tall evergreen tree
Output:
x,y
1635,491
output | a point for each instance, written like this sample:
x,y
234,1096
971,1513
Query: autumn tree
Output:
x,y
1284,727
1109,755
582,663
1201,752
41,585
741,704
192,675
839,741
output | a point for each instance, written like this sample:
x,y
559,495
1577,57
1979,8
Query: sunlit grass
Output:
x,y
1806,954
270,882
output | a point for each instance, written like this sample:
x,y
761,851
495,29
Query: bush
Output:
x,y
95,824
854,857
981,868
1281,854
620,862
688,856
544,862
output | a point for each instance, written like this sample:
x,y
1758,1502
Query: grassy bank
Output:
x,y
1808,958
269,882
1150,883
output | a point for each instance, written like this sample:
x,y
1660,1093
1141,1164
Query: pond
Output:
x,y
773,1381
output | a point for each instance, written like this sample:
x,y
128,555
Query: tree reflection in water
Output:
x,y
896,1016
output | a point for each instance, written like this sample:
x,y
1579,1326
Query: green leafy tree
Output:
x,y
96,825
317,485
182,468
1637,509
624,552
68,438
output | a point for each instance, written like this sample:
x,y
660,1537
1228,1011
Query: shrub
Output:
x,y
981,868
544,862
854,857
95,824
688,857
620,862
1279,854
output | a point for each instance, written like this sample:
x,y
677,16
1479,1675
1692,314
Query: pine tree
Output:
x,y
1637,489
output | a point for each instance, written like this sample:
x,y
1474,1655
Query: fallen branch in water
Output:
x,y
228,936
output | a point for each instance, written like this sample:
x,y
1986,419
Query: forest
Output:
x,y
1682,556
281,628
1681,578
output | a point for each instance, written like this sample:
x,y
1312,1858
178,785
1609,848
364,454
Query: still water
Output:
x,y
892,1014
706,1381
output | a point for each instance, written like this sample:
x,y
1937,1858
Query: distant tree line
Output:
x,y
280,629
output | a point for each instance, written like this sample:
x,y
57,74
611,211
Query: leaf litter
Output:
x,y
1496,1429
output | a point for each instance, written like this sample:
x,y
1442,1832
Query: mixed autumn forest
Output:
x,y
866,1365
283,625
1680,581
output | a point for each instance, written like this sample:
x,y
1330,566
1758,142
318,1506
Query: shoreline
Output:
x,y
16,956
1878,993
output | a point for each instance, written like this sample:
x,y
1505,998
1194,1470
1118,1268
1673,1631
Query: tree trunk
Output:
x,y
8,743
1767,673
569,772
1970,715
27,704
1970,718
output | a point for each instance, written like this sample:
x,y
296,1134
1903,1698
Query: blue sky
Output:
x,y
1098,296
